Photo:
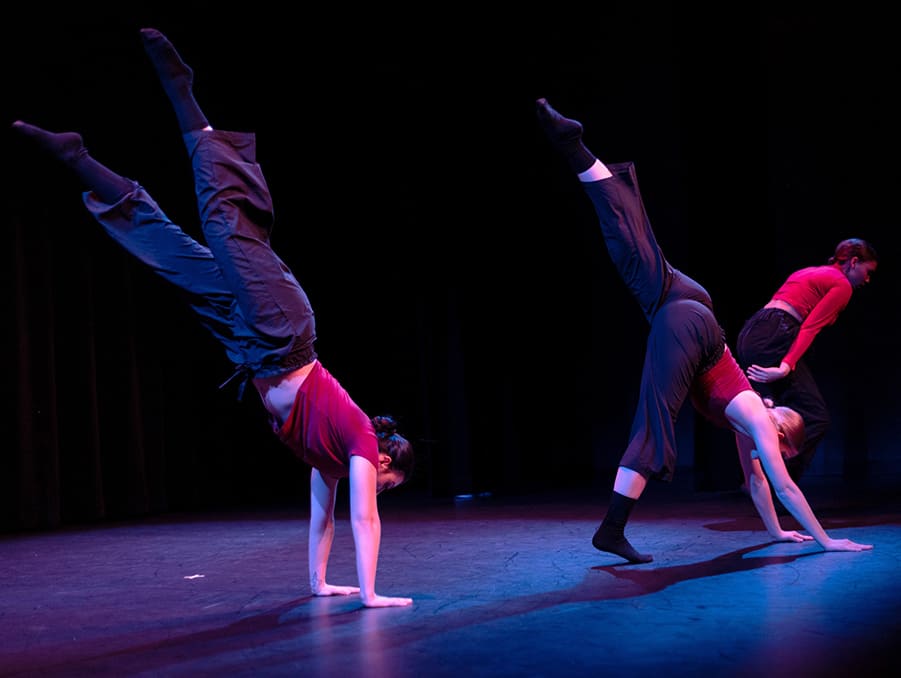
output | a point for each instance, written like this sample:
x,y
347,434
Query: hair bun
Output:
x,y
385,426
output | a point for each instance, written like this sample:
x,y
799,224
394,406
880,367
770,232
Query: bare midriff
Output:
x,y
279,392
785,306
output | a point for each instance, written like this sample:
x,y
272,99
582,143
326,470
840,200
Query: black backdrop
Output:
x,y
457,273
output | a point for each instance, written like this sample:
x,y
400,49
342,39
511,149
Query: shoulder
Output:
x,y
829,279
839,285
832,274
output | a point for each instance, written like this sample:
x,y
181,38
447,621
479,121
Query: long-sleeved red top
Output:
x,y
818,294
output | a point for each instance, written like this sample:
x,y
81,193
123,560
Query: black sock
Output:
x,y
177,79
65,146
565,136
610,536
69,149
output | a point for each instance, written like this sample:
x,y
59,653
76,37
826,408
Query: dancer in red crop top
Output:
x,y
244,294
686,356
773,342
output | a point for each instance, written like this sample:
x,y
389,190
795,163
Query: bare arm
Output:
x,y
367,529
760,492
748,415
322,532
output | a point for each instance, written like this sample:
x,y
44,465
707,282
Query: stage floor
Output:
x,y
501,587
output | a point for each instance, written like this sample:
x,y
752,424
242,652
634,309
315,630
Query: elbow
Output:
x,y
322,523
787,492
365,520
756,483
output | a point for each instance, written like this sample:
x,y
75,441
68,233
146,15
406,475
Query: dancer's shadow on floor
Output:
x,y
315,627
222,647
652,580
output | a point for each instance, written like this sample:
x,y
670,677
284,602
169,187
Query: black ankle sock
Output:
x,y
565,136
177,79
610,536
70,150
613,541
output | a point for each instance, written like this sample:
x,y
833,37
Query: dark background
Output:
x,y
456,268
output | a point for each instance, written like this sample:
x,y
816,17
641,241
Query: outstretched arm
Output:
x,y
748,415
322,532
367,529
759,488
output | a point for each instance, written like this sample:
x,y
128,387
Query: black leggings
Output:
x,y
765,340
